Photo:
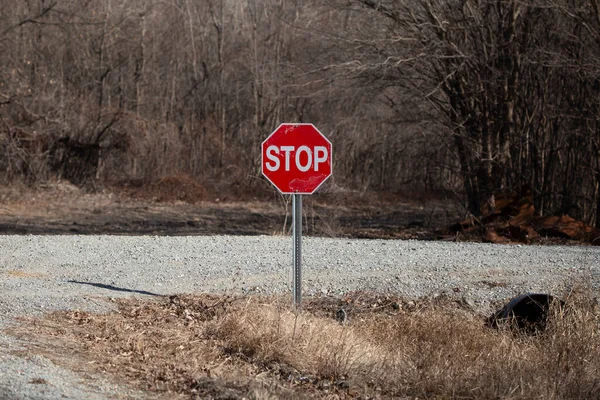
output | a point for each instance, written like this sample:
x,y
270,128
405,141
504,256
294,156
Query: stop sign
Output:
x,y
296,158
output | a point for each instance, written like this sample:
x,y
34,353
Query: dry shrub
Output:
x,y
570,350
208,345
312,347
450,353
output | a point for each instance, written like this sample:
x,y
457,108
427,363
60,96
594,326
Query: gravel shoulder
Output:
x,y
43,273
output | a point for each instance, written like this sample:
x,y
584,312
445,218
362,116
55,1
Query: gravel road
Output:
x,y
43,273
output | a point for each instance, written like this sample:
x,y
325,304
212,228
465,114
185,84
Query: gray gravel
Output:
x,y
42,273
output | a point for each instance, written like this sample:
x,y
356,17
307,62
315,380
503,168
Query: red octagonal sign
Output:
x,y
296,158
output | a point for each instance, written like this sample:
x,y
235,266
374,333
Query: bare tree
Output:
x,y
465,96
504,76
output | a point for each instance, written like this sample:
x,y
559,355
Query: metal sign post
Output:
x,y
297,252
296,159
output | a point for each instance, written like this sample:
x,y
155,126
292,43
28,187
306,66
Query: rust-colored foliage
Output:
x,y
510,217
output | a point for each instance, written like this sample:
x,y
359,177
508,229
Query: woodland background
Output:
x,y
458,98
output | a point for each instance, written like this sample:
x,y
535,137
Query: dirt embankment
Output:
x,y
180,206
167,208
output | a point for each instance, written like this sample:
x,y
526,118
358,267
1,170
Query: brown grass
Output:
x,y
168,189
255,347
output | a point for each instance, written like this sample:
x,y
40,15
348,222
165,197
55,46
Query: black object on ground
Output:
x,y
341,316
527,313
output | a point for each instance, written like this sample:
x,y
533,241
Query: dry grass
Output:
x,y
254,347
168,189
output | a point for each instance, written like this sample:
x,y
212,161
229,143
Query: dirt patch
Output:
x,y
63,209
225,347
25,274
